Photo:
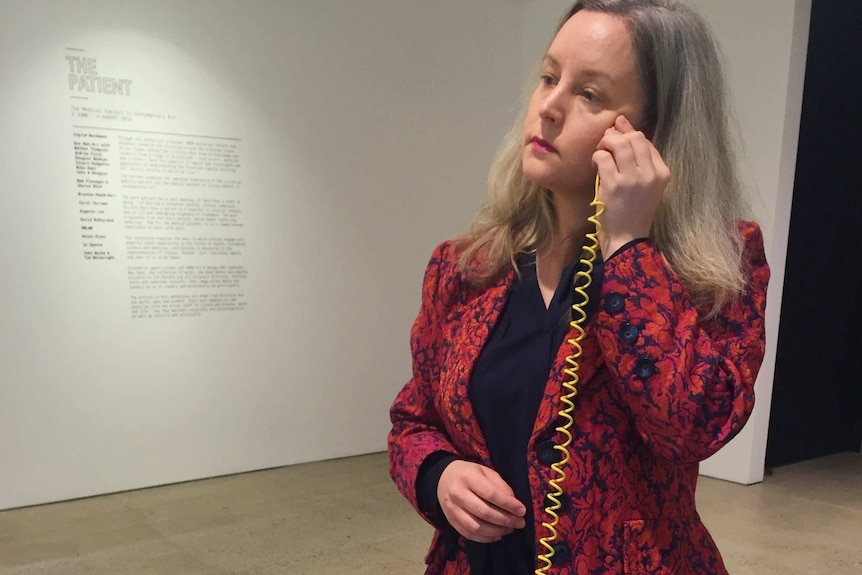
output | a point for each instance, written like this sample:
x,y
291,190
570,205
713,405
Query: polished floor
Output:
x,y
345,517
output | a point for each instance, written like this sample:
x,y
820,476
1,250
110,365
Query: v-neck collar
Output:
x,y
563,292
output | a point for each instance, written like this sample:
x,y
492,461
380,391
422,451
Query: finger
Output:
x,y
606,171
502,495
620,146
477,504
493,515
609,134
490,530
623,125
604,162
642,149
493,507
475,529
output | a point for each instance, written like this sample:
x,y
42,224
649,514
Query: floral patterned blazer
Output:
x,y
659,392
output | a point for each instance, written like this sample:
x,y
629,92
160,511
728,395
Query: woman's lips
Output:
x,y
541,145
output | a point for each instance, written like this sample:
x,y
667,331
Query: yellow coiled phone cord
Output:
x,y
579,319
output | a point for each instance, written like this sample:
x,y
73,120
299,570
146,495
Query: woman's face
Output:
x,y
589,77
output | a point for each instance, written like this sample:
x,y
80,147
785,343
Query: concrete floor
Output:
x,y
345,516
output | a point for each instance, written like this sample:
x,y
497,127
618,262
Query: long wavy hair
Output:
x,y
686,118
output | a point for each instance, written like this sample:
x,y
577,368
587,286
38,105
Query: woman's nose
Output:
x,y
550,110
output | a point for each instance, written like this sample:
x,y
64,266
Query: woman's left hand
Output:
x,y
633,179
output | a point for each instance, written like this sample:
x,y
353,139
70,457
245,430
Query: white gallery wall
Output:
x,y
216,216
291,166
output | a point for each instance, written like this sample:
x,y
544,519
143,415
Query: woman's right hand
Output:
x,y
478,503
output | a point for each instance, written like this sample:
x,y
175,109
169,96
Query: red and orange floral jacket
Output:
x,y
660,391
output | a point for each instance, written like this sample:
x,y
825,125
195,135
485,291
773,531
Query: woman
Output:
x,y
630,90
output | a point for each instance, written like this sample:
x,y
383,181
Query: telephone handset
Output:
x,y
579,319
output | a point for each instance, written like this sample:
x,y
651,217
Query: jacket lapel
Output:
x,y
465,333
551,404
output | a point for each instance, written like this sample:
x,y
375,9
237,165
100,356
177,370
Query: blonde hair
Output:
x,y
686,118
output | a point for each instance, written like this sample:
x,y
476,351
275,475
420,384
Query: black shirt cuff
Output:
x,y
626,246
426,484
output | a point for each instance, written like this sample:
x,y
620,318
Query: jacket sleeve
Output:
x,y
689,385
417,430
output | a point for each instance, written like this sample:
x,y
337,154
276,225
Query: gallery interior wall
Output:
x,y
364,131
258,315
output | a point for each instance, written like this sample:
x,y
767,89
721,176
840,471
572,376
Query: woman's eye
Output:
x,y
548,80
589,96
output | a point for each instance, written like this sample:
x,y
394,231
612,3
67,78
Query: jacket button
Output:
x,y
546,453
565,503
562,554
614,303
645,367
628,334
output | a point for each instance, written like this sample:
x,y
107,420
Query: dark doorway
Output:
x,y
817,396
